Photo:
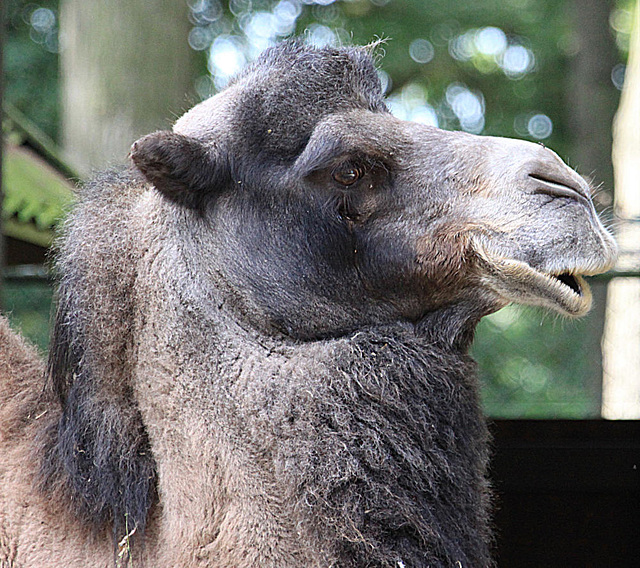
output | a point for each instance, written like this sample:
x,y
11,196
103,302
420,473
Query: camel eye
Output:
x,y
347,175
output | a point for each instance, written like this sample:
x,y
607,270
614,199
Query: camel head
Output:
x,y
328,213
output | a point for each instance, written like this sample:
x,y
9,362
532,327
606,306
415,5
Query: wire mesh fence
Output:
x,y
532,364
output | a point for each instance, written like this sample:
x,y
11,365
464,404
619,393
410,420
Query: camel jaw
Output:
x,y
562,289
516,281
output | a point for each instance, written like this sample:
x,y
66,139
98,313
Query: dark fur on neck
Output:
x,y
98,451
381,436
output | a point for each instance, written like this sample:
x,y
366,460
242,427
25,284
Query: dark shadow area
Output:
x,y
568,493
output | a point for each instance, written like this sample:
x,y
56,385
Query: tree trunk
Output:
x,y
592,104
127,69
621,397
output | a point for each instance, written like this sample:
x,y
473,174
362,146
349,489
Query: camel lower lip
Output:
x,y
516,281
566,292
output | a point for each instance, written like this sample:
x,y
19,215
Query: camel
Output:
x,y
260,351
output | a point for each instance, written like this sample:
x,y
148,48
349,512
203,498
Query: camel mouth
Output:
x,y
569,292
565,290
573,281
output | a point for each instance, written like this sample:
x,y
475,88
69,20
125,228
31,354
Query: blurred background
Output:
x,y
82,80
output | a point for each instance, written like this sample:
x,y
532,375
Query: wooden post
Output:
x,y
621,346
127,70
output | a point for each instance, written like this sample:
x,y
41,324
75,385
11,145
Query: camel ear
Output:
x,y
182,168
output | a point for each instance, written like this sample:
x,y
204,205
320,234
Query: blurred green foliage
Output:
x,y
31,63
454,28
511,56
35,196
532,365
27,303
498,67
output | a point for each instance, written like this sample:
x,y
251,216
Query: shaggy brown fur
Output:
x,y
259,357
36,528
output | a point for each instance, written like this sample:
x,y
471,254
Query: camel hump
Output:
x,y
21,375
15,352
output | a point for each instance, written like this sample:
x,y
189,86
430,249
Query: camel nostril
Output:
x,y
558,188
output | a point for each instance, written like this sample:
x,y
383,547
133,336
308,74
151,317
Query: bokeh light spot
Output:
x,y
226,59
621,21
425,114
238,7
491,41
199,39
462,47
467,106
517,60
540,126
42,20
321,36
618,74
421,50
204,87
385,81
